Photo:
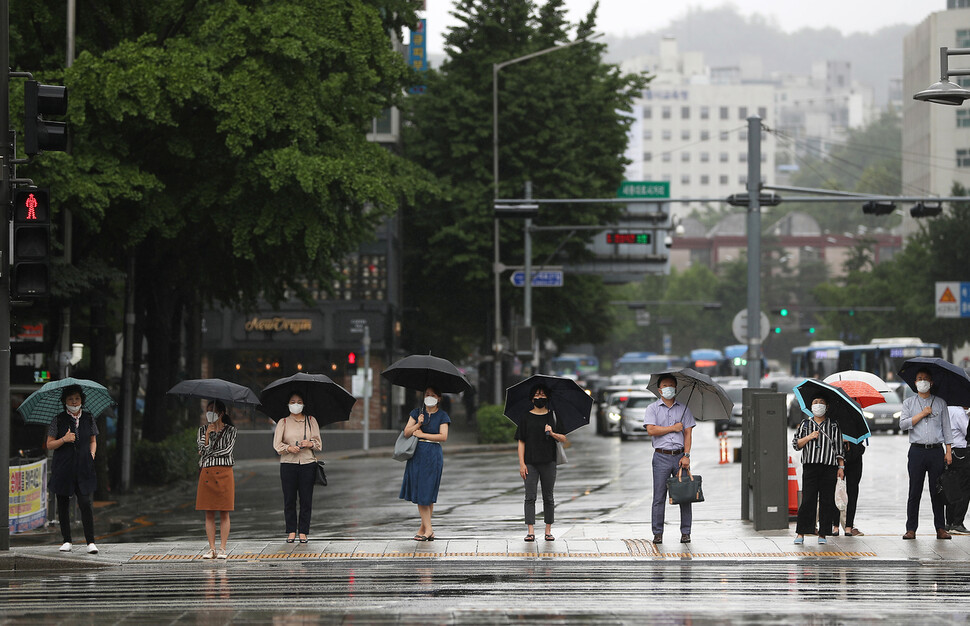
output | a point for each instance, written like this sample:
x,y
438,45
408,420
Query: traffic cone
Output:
x,y
792,490
723,443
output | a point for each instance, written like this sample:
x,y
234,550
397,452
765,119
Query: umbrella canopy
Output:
x,y
698,392
863,377
214,389
570,401
841,408
863,393
41,406
949,381
324,399
420,371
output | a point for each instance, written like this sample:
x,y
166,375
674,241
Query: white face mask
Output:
x,y
72,409
211,417
430,401
668,392
296,408
923,386
818,410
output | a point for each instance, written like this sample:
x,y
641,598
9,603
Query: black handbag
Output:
x,y
321,478
685,491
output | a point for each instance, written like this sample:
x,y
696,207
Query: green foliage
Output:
x,y
162,462
560,126
493,426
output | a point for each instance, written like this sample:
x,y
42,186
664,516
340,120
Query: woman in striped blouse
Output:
x,y
217,491
820,441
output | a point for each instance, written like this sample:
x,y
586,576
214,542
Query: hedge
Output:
x,y
172,459
493,426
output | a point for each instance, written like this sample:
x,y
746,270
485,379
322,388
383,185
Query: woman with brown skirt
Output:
x,y
217,490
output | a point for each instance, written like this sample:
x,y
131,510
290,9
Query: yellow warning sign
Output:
x,y
947,296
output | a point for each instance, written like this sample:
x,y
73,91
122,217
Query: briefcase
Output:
x,y
685,490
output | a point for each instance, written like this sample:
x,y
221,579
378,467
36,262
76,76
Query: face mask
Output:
x,y
818,410
296,408
923,386
73,409
668,392
211,417
539,402
430,401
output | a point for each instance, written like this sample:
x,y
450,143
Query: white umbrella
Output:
x,y
865,377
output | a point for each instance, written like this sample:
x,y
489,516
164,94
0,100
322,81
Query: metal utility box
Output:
x,y
764,455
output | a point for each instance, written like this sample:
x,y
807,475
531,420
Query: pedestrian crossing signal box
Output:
x,y
764,461
31,244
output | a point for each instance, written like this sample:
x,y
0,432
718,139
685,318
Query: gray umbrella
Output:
x,y
214,389
698,392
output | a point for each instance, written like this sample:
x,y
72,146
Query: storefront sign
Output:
x,y
294,325
28,501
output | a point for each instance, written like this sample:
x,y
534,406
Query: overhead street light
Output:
x,y
944,91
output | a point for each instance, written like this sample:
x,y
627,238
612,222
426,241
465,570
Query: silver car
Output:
x,y
632,411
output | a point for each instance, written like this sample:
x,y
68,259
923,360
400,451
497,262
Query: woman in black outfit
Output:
x,y
73,438
537,434
853,476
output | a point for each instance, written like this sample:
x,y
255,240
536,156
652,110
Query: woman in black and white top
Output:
x,y
217,490
820,441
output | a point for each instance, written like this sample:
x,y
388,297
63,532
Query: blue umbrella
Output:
x,y
842,409
950,382
41,406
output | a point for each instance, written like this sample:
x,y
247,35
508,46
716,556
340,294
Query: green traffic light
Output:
x,y
777,330
811,331
783,312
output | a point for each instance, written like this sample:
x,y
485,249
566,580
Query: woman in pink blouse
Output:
x,y
296,437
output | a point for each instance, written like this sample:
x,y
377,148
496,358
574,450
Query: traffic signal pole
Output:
x,y
754,251
5,174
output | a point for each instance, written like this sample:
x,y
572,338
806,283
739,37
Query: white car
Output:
x,y
632,411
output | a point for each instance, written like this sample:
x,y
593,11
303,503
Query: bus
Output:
x,y
636,367
736,361
816,360
579,366
885,356
709,361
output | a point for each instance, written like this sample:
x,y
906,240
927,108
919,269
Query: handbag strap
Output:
x,y
680,472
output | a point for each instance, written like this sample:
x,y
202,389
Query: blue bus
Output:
x,y
736,360
580,366
884,356
709,361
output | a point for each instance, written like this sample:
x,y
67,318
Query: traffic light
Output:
x,y
880,207
777,330
924,209
41,134
31,243
810,330
351,363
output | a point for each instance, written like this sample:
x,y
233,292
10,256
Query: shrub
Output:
x,y
493,427
172,459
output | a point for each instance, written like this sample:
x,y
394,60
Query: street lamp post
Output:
x,y
945,91
496,263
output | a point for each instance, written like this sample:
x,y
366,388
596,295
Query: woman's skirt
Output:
x,y
217,490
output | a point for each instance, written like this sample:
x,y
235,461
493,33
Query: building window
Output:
x,y
648,135
725,113
742,157
685,134
722,179
963,158
647,113
742,113
963,118
743,179
665,112
705,179
665,157
666,134
685,157
725,135
705,113
724,157
762,112
764,157
685,113
743,135
705,135
647,157
685,179
705,157
963,35
665,177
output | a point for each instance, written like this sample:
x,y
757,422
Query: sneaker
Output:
x,y
65,547
799,541
822,541
92,549
959,529
221,554
211,554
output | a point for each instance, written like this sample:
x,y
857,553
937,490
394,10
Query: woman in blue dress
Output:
x,y
422,474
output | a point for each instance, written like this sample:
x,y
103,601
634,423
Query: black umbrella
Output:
x,y
324,399
570,401
698,392
841,409
214,389
950,382
420,371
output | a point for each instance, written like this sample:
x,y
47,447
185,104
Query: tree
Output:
x,y
221,145
560,126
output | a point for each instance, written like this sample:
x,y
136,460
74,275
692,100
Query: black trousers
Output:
x,y
64,515
546,472
297,480
957,512
923,461
853,475
818,492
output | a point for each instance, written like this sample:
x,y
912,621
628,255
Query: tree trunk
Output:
x,y
162,333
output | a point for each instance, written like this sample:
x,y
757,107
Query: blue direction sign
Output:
x,y
542,278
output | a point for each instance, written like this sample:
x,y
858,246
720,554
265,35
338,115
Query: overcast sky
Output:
x,y
632,17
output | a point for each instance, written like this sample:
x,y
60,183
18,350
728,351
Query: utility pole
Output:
x,y
6,155
64,357
754,251
367,387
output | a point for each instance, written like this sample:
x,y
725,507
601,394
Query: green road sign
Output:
x,y
643,189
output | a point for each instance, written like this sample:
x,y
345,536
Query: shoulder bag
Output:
x,y
320,475
561,458
685,491
404,447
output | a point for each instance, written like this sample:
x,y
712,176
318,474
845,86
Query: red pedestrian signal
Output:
x,y
351,362
31,243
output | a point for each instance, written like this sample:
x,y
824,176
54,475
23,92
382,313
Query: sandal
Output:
x,y
550,537
419,538
430,537
291,539
530,537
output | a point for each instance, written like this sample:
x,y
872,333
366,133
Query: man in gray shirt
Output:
x,y
927,419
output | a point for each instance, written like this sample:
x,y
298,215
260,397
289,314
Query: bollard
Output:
x,y
723,443
792,489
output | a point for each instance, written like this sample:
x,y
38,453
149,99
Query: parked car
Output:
x,y
885,417
632,410
734,423
608,410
